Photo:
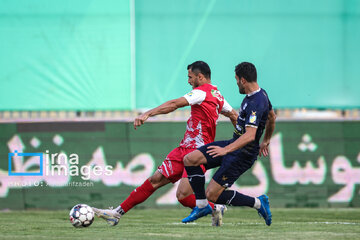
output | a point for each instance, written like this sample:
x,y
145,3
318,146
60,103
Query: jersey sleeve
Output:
x,y
226,107
270,105
267,96
196,96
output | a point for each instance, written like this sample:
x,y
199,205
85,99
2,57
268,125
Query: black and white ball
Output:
x,y
81,215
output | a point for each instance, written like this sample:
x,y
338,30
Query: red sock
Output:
x,y
190,201
137,196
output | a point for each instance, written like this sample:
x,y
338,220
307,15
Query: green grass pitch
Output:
x,y
239,223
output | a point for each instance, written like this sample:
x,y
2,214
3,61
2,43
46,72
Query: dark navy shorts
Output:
x,y
232,165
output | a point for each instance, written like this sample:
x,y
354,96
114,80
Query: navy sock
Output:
x,y
234,198
197,180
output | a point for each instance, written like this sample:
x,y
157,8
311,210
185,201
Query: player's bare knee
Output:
x,y
211,195
180,194
190,160
153,179
156,180
187,160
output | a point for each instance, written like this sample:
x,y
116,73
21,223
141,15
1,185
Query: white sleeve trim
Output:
x,y
226,107
196,96
249,125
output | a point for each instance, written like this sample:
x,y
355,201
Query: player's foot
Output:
x,y
264,210
197,213
111,216
217,214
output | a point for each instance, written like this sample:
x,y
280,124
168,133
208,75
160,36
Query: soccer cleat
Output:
x,y
264,210
111,216
217,214
197,213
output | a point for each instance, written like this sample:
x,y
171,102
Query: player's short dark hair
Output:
x,y
200,67
246,70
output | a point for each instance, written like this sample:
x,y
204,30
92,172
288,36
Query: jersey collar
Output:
x,y
252,93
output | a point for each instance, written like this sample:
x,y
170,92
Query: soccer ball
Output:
x,y
81,215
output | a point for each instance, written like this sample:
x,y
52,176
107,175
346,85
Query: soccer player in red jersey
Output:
x,y
206,104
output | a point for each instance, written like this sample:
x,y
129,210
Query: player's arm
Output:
x,y
243,140
233,115
269,129
164,108
229,112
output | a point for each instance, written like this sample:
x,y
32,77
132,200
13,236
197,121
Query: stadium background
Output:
x,y
74,74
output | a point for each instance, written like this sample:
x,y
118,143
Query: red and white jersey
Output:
x,y
206,104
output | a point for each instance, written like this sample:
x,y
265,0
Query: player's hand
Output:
x,y
264,149
216,151
140,120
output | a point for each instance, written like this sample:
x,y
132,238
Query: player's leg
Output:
x,y
187,198
196,178
231,169
137,196
212,191
234,198
185,194
217,193
169,171
143,192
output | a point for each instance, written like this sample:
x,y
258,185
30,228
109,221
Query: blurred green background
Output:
x,y
132,54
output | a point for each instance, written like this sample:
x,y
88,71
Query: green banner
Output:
x,y
311,164
132,54
65,55
305,52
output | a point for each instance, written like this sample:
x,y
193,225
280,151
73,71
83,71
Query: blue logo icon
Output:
x,y
40,155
